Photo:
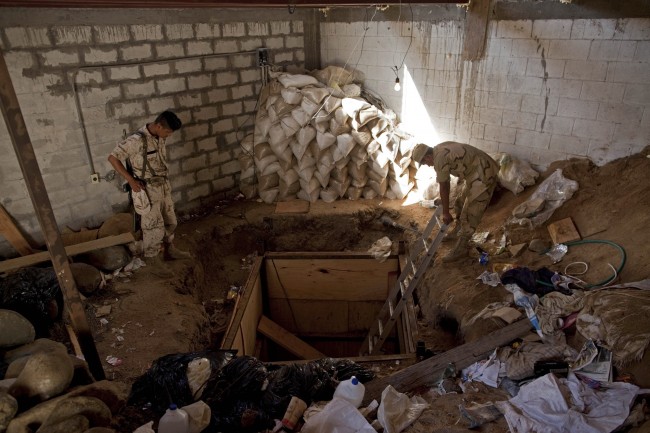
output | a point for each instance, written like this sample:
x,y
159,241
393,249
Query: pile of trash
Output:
x,y
319,136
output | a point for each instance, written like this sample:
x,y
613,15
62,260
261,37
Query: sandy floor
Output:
x,y
156,315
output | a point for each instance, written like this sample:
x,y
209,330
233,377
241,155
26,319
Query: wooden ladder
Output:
x,y
414,269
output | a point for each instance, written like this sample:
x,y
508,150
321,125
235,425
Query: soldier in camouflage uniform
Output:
x,y
477,171
145,150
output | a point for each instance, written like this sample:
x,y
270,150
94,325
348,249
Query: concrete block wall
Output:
x,y
545,90
126,72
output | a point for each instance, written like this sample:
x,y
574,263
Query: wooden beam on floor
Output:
x,y
287,340
109,241
358,359
9,230
426,373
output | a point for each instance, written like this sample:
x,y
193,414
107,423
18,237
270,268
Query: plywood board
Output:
x,y
9,230
294,206
563,231
353,279
287,340
314,318
362,315
71,250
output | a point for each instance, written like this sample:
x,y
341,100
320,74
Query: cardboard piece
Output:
x,y
563,231
507,314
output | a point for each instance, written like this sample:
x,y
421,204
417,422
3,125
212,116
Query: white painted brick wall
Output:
x,y
169,50
155,69
233,30
147,32
136,52
27,37
117,73
73,35
111,34
135,90
99,55
208,31
171,85
225,46
197,48
179,31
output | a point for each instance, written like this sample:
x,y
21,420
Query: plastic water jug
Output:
x,y
174,421
351,390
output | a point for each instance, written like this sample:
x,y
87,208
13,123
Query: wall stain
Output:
x,y
545,79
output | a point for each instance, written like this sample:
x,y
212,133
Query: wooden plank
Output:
x,y
73,238
287,340
294,206
74,341
476,25
362,314
359,359
242,302
328,279
71,250
563,231
427,372
312,318
9,230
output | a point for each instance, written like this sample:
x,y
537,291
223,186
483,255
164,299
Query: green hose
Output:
x,y
596,241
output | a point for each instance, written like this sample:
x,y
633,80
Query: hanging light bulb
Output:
x,y
397,86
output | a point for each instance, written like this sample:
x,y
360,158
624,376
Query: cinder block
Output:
x,y
514,29
31,103
571,145
217,95
113,34
225,46
199,82
243,61
629,72
294,42
96,114
539,140
223,184
99,55
628,48
190,65
605,92
117,73
518,120
226,78
577,108
506,101
93,96
70,35
578,29
232,109
592,129
524,85
27,37
180,151
241,92
499,47
206,144
220,156
499,134
250,106
545,69
585,70
233,30
636,136
193,132
171,85
604,50
569,49
198,192
169,50
136,90
221,126
147,32
489,116
93,77
177,32
637,94
298,26
194,163
280,27
554,124
258,29
563,88
198,48
60,57
136,52
215,63
274,43
250,44
231,167
528,48
634,29
620,113
207,31
156,69
158,105
600,29
552,29
601,151
207,173
125,110
186,100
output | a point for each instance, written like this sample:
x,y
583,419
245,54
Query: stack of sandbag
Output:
x,y
314,141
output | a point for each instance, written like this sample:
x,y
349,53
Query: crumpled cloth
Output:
x,y
552,405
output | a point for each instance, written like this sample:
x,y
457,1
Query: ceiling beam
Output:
x,y
200,3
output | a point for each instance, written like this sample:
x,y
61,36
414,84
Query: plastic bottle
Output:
x,y
522,300
351,390
174,421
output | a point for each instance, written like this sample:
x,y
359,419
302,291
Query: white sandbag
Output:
x,y
323,179
337,129
282,108
305,135
366,114
269,195
345,143
296,80
362,137
298,149
341,116
398,168
379,187
249,172
271,101
268,182
271,168
289,126
388,146
515,174
262,150
354,193
339,187
309,106
343,162
261,164
325,139
372,174
377,126
400,190
325,163
248,187
321,122
279,147
358,172
337,156
310,197
369,193
315,94
359,155
331,103
289,176
380,162
286,156
328,195
291,95
340,174
277,135
351,106
309,185
307,160
262,126
300,116
245,161
273,115
336,76
307,173
247,143
352,90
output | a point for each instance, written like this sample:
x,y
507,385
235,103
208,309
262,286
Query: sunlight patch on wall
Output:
x,y
414,116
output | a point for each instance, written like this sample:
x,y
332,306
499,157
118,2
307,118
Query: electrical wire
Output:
x,y
395,68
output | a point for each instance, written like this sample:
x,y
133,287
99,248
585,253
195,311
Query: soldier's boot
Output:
x,y
173,253
459,251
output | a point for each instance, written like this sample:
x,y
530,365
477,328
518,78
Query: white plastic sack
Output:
x,y
554,190
291,95
298,148
310,197
315,94
276,135
331,103
515,174
307,173
323,179
296,80
289,125
397,411
369,193
300,116
321,121
282,108
380,250
305,135
309,106
354,193
351,106
325,139
328,195
345,143
262,126
269,195
338,416
262,164
262,151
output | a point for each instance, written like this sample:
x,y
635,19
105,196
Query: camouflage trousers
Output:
x,y
158,225
471,203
